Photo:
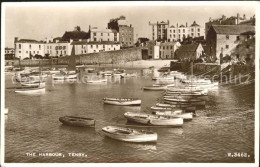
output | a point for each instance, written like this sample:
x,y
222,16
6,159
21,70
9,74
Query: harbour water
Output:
x,y
225,125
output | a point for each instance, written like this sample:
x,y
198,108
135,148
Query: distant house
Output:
x,y
166,50
190,52
9,53
86,46
75,35
223,39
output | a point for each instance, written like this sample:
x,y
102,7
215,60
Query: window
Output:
x,y
95,39
94,34
64,47
33,51
60,47
173,31
227,46
82,51
167,47
96,46
101,34
64,51
171,47
50,47
20,46
192,30
47,47
179,36
19,51
170,35
104,46
179,31
238,37
192,34
85,51
38,52
173,35
26,52
108,39
198,34
57,52
82,46
30,46
170,31
227,36
40,47
91,46
183,30
198,30
107,34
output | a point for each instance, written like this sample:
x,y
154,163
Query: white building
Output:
x,y
28,48
85,46
181,32
103,35
57,48
164,50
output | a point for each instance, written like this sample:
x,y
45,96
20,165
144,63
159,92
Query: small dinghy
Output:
x,y
184,109
77,121
129,135
174,114
37,83
184,101
123,101
187,108
149,119
188,96
30,90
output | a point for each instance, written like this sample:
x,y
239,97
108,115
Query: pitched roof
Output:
x,y
29,41
187,48
194,24
75,35
172,26
85,42
232,29
182,25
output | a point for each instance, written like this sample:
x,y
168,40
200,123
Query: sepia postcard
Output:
x,y
130,83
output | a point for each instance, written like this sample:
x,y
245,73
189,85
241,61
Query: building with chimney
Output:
x,y
190,52
125,30
223,39
162,50
159,30
57,47
75,35
233,20
181,32
99,35
28,48
86,46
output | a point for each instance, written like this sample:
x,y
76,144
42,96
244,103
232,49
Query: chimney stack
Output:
x,y
15,39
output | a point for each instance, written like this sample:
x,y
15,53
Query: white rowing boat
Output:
x,y
30,90
129,135
123,101
149,119
174,114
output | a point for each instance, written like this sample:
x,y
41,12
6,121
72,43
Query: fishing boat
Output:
x,y
149,119
184,109
129,135
30,90
174,114
187,108
33,83
123,101
71,70
186,101
77,121
155,87
187,96
170,91
97,81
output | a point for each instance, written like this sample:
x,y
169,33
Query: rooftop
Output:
x,y
75,35
168,43
233,29
29,41
85,42
188,48
194,24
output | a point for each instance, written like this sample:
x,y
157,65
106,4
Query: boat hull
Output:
x,y
31,91
123,103
77,121
137,138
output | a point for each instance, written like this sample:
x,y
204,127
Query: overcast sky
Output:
x,y
52,21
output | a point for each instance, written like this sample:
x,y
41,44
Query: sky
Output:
x,y
40,22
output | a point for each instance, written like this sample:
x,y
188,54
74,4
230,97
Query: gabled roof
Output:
x,y
188,48
182,25
75,35
172,26
232,29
